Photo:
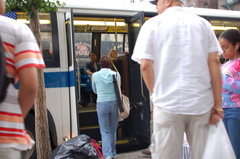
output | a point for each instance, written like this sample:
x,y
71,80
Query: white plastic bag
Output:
x,y
186,149
218,145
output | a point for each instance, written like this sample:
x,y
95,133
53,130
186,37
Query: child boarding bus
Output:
x,y
68,36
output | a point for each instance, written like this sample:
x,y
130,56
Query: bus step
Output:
x,y
94,131
91,131
119,141
88,118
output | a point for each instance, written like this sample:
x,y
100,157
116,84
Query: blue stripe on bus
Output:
x,y
59,79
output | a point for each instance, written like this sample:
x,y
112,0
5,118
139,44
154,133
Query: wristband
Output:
x,y
218,109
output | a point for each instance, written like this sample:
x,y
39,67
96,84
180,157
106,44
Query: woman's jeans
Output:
x,y
108,121
232,123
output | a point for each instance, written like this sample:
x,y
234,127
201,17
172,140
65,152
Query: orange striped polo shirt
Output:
x,y
21,50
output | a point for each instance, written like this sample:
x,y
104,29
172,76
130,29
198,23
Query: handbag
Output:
x,y
122,101
218,144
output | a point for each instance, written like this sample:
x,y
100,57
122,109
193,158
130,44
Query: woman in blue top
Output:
x,y
107,109
230,43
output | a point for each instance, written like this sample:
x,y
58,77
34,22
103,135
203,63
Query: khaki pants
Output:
x,y
168,131
10,153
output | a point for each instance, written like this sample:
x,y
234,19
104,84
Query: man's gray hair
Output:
x,y
155,1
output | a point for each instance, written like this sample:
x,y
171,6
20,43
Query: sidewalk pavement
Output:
x,y
133,155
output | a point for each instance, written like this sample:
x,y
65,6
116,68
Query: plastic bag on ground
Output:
x,y
78,147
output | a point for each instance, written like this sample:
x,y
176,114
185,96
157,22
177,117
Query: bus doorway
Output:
x,y
100,33
141,116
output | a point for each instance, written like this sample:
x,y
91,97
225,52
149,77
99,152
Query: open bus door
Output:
x,y
73,73
140,101
137,126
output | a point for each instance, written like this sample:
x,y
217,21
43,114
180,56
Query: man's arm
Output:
x,y
89,72
148,74
87,67
216,81
28,79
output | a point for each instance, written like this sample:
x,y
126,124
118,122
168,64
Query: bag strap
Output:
x,y
118,92
114,67
97,147
119,87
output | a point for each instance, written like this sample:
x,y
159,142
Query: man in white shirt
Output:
x,y
178,54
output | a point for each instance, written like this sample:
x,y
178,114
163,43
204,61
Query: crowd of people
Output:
x,y
216,97
187,84
181,69
106,102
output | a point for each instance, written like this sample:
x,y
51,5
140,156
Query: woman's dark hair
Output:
x,y
232,35
105,61
91,52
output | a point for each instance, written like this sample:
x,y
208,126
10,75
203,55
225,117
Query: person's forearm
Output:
x,y
148,74
26,100
89,72
28,86
216,80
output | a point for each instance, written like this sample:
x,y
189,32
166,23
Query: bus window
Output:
x,y
47,46
219,25
49,51
46,35
111,41
83,45
126,49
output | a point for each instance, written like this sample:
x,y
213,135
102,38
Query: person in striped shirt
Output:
x,y
23,58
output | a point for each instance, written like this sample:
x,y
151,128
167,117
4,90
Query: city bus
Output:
x,y
68,36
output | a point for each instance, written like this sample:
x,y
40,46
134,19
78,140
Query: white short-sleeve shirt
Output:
x,y
179,42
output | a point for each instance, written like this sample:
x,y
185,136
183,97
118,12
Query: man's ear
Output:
x,y
168,3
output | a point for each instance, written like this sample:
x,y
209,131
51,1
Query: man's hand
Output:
x,y
216,114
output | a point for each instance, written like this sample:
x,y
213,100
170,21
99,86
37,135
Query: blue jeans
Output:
x,y
232,123
108,121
